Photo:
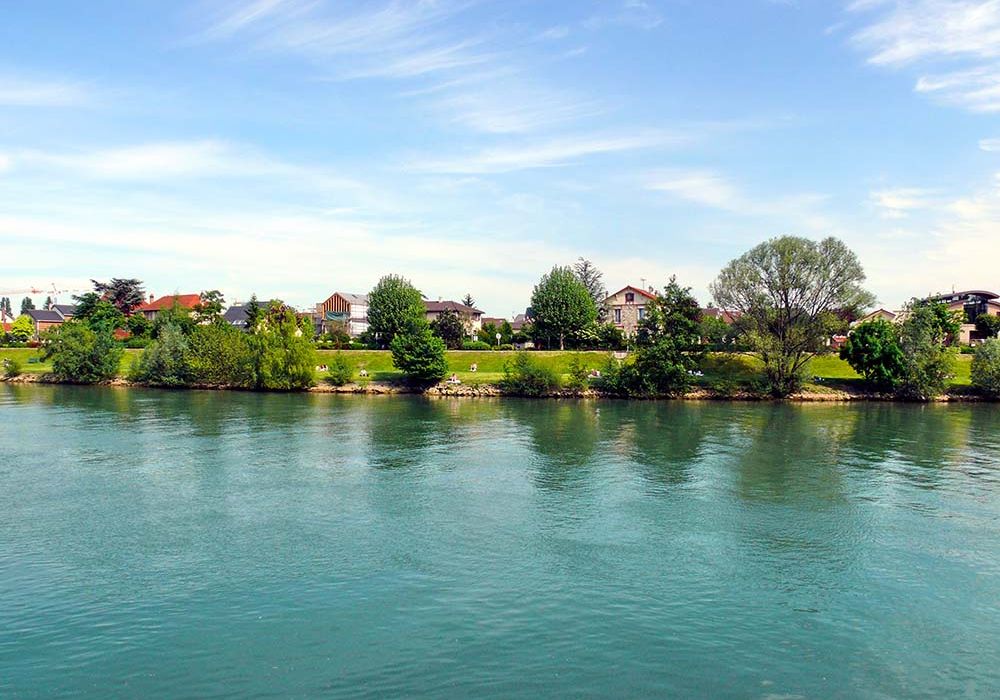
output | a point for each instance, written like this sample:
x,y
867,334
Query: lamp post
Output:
x,y
498,340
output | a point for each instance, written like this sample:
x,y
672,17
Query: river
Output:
x,y
161,544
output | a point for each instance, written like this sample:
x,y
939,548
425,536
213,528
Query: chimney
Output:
x,y
151,298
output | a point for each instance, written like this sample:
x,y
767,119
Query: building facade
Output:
x,y
349,311
471,317
627,307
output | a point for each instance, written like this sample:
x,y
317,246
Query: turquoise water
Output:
x,y
190,544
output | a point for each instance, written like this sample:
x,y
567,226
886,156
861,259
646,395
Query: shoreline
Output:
x,y
494,391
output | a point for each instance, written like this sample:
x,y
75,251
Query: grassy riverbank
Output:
x,y
826,372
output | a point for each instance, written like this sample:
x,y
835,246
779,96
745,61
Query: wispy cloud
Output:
x,y
636,14
699,186
21,92
898,202
549,154
990,145
959,40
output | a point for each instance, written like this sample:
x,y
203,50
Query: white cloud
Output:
x,y
896,203
550,154
990,145
699,186
960,36
19,92
5,163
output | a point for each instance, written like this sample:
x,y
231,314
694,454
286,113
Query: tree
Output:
x,y
715,331
48,304
22,329
873,351
283,357
669,342
449,328
562,305
786,290
174,315
419,354
254,314
165,362
125,294
220,355
469,301
986,368
209,306
394,306
593,280
5,308
104,317
81,354
988,325
27,305
86,303
929,364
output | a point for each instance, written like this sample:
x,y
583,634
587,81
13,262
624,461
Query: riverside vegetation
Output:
x,y
789,295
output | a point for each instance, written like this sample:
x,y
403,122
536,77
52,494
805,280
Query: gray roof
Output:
x,y
457,307
236,315
354,298
46,315
67,310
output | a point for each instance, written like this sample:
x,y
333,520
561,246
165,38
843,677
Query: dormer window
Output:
x,y
629,297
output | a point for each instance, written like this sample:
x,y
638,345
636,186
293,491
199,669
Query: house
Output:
x,y
44,319
519,322
350,310
236,315
729,317
970,304
471,317
627,307
877,315
154,306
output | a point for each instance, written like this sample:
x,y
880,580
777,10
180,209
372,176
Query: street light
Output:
x,y
498,339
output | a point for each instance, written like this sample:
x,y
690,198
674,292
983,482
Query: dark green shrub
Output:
x,y
506,347
219,355
476,345
11,368
525,377
80,354
873,351
340,371
579,373
419,355
165,362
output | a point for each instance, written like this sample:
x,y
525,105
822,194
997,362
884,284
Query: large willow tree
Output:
x,y
788,292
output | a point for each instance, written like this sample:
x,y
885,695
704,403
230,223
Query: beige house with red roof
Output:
x,y
154,306
627,307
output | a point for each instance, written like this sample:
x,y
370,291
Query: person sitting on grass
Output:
x,y
474,367
453,379
363,372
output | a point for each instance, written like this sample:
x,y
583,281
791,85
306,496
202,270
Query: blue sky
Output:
x,y
297,147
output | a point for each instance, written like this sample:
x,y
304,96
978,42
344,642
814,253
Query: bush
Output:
x,y
986,368
506,347
419,355
340,371
929,364
219,355
137,342
11,368
80,354
525,377
579,373
165,362
476,345
873,351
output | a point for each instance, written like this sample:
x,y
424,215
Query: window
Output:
x,y
618,315
642,312
629,297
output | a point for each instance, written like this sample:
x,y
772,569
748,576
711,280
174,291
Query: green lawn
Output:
x,y
740,369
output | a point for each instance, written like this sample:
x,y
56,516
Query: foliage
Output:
x,y
873,351
27,305
449,328
579,373
928,362
11,367
254,314
337,336
593,280
340,370
209,306
174,315
394,306
5,308
166,361
283,356
562,305
986,368
124,294
104,317
476,345
86,304
138,326
716,332
82,354
220,355
785,289
988,325
419,354
467,300
22,329
525,377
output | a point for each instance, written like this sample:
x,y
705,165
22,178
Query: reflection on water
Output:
x,y
156,544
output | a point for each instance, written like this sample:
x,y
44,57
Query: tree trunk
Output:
x,y
561,344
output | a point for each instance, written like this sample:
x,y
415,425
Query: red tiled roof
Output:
x,y
634,289
728,316
188,301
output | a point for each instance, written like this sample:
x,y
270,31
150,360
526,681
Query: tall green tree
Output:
x,y
419,354
125,294
282,356
787,290
254,314
394,306
668,342
593,280
22,329
209,306
27,305
562,305
449,328
5,308
929,363
873,351
469,301
988,325
48,304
